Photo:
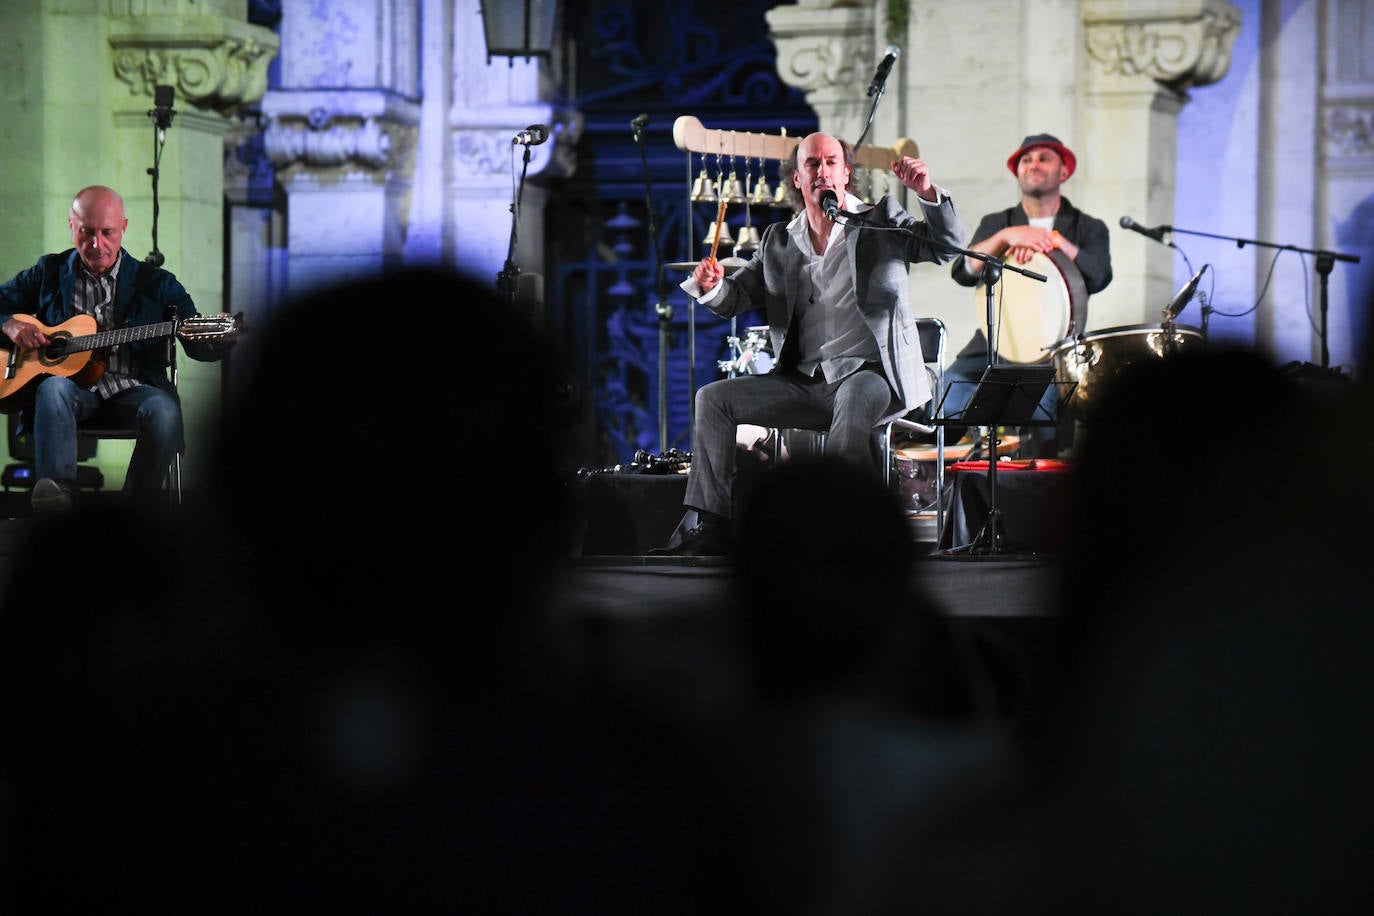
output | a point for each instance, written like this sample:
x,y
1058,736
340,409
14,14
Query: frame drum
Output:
x,y
1094,360
1031,316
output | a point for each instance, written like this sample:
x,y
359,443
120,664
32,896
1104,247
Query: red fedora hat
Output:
x,y
1048,140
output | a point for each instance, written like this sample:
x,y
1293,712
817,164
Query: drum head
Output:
x,y
1030,316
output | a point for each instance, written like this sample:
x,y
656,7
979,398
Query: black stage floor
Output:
x,y
661,624
1005,586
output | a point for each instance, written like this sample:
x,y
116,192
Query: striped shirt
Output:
x,y
94,296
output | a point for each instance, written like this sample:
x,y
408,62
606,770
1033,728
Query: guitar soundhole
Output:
x,y
56,348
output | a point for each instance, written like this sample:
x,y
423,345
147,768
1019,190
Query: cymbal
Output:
x,y
730,264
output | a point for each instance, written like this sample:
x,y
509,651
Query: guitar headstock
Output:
x,y
210,327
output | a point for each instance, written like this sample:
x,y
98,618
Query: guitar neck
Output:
x,y
119,336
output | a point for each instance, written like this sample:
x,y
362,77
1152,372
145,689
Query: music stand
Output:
x,y
1007,395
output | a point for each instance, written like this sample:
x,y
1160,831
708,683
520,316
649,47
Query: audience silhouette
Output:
x,y
868,702
1203,744
328,685
332,680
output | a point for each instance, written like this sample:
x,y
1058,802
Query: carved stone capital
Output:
x,y
821,47
1176,44
215,64
483,151
1348,131
340,133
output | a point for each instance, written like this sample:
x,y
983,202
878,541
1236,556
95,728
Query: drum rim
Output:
x,y
1122,330
1126,328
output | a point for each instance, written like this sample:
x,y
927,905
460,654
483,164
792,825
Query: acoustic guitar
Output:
x,y
72,348
1030,317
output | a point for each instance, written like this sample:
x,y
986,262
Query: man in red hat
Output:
x,y
1043,222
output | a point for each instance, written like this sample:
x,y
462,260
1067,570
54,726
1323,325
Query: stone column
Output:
x,y
256,255
828,50
1345,187
1141,60
214,64
341,133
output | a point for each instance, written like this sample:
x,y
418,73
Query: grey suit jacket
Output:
x,y
878,259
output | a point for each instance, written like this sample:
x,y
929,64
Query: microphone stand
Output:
x,y
162,114
990,536
872,110
877,87
661,307
1326,261
506,279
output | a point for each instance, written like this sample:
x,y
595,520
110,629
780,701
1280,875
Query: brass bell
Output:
x,y
762,195
726,239
733,189
780,198
747,240
703,189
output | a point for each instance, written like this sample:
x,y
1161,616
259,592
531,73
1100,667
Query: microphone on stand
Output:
x,y
1184,295
884,68
533,135
830,205
640,123
1156,233
162,115
162,112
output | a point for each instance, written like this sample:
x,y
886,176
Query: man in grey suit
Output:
x,y
834,290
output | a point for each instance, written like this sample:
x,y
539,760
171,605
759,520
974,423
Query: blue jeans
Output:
x,y
961,380
60,404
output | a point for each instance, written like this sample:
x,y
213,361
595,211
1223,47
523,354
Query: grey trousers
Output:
x,y
783,399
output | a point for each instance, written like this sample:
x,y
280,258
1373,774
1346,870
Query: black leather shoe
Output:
x,y
703,540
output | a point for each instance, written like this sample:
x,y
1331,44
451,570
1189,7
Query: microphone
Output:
x,y
533,135
884,68
162,112
1184,295
830,204
1156,233
640,123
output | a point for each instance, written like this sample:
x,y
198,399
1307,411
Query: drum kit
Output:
x,y
752,355
914,468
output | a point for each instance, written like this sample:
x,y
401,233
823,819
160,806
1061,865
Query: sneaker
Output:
x,y
703,540
49,498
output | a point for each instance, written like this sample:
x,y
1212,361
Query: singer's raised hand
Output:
x,y
915,174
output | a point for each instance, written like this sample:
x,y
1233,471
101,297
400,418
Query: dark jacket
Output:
x,y
45,291
1089,233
